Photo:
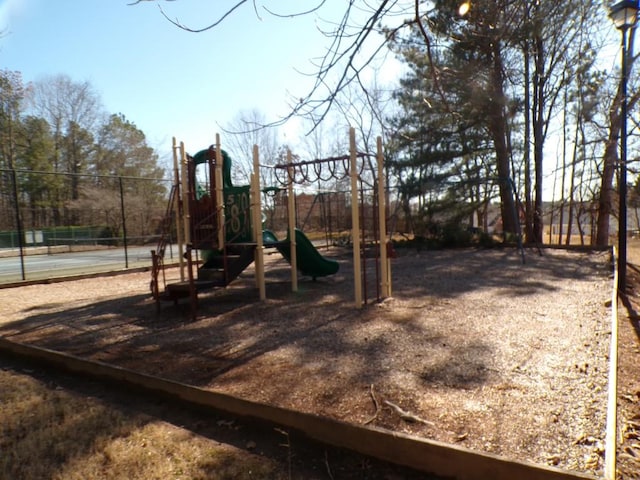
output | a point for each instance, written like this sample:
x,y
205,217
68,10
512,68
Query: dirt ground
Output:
x,y
482,350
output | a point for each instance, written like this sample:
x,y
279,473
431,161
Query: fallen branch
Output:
x,y
326,463
375,404
407,416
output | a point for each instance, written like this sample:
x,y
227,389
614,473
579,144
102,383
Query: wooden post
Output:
x,y
193,293
256,215
219,194
186,192
185,195
178,208
385,266
611,431
292,224
355,219
155,288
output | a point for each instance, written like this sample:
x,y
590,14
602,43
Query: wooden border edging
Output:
x,y
417,453
610,444
78,276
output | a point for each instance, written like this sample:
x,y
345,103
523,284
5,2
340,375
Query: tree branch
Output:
x,y
298,14
340,65
177,23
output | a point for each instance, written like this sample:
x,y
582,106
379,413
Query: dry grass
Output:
x,y
49,432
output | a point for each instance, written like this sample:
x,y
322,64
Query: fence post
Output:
x,y
18,221
124,224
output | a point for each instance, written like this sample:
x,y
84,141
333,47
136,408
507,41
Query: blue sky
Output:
x,y
170,82
167,81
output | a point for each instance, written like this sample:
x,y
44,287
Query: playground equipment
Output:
x,y
310,261
219,225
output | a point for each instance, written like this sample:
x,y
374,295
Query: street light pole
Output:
x,y
622,176
624,15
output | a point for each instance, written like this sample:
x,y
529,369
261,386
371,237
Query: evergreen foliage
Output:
x,y
65,156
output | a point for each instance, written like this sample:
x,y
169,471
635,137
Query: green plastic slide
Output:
x,y
310,261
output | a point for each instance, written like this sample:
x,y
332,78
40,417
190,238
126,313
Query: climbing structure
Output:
x,y
360,168
213,218
219,229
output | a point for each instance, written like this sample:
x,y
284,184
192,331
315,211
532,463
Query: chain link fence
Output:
x,y
51,214
54,224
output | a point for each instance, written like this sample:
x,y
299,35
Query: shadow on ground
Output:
x,y
301,337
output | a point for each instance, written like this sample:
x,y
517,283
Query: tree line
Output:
x,y
485,93
63,158
501,101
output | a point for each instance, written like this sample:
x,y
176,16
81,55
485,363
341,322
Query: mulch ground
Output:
x,y
475,347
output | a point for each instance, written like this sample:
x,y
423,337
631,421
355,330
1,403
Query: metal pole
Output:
x,y
292,223
18,221
124,224
622,179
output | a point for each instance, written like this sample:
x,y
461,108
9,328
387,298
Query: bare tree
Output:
x,y
72,110
247,129
554,49
67,106
610,156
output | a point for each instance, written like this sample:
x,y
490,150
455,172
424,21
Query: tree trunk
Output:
x,y
497,125
538,139
563,180
529,235
610,159
572,184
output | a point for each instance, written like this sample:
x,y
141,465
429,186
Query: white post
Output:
x,y
256,213
185,195
385,265
355,219
292,224
178,209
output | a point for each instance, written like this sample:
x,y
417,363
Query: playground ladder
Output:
x,y
157,255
